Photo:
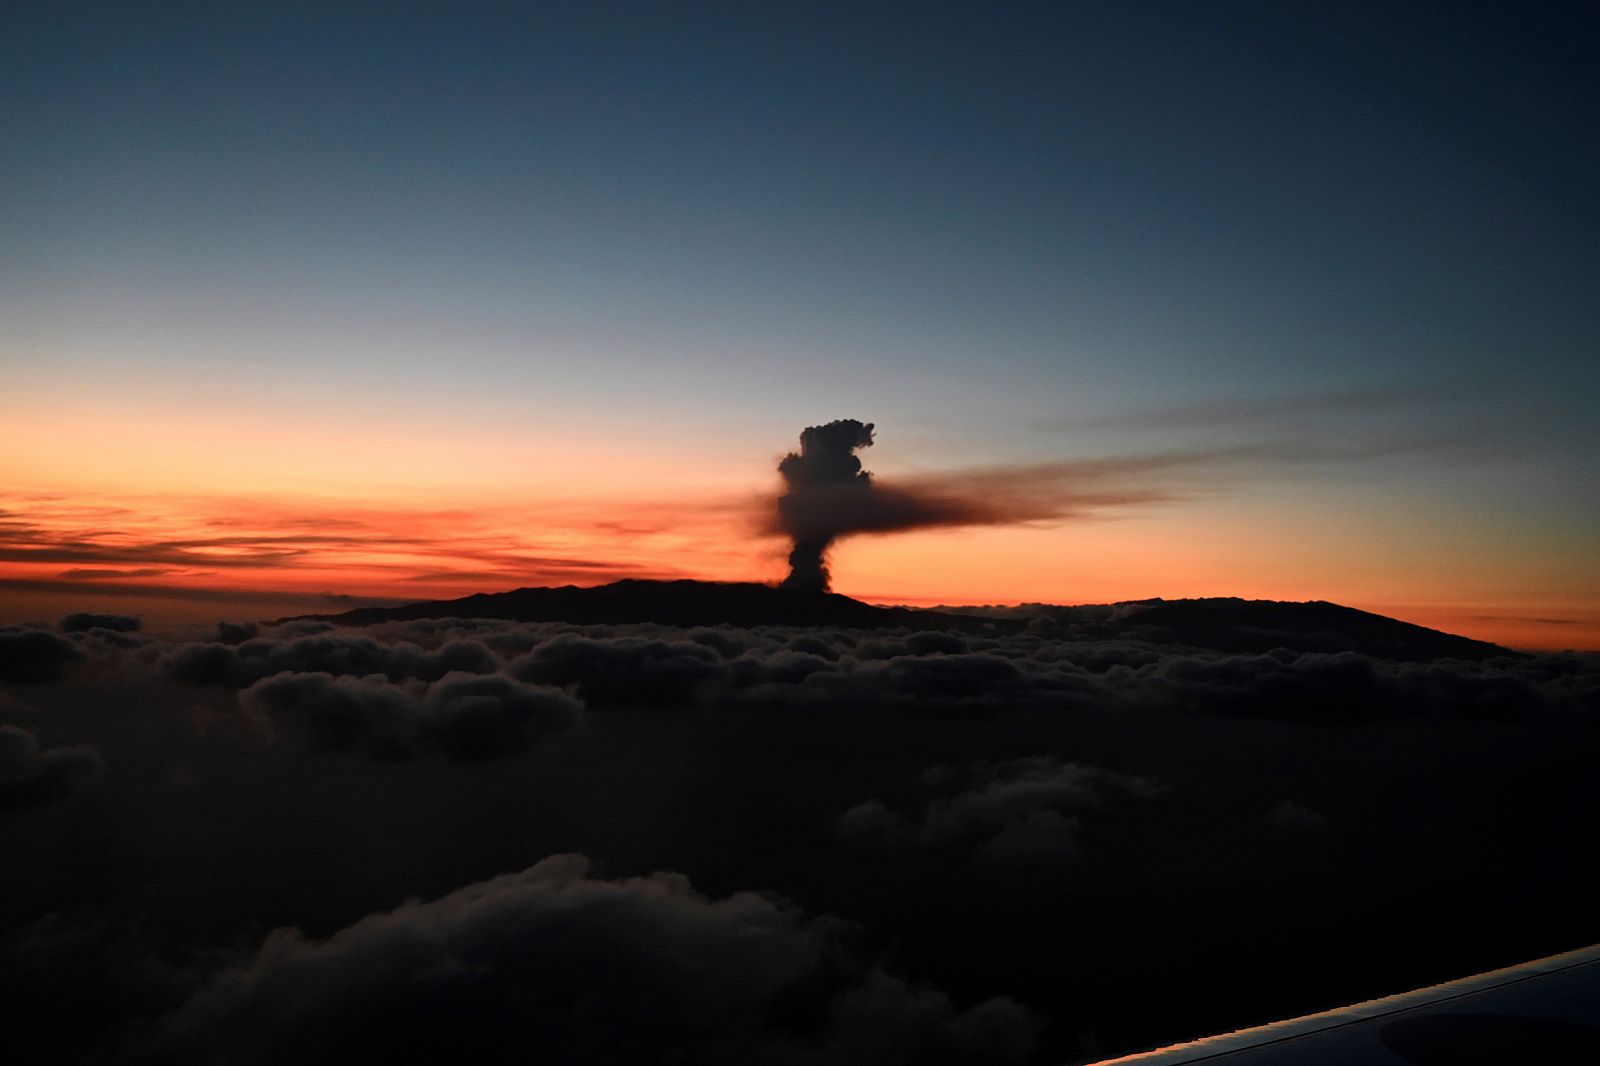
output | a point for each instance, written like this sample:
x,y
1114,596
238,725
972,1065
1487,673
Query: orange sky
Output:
x,y
270,340
179,509
196,556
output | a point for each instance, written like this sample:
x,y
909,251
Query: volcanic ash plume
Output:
x,y
827,494
826,487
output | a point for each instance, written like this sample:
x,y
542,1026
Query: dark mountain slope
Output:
x,y
1229,625
1261,625
680,603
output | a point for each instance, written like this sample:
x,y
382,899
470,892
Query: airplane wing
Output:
x,y
1541,1013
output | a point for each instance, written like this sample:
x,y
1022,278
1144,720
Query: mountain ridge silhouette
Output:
x,y
1218,624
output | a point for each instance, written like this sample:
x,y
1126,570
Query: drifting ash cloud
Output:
x,y
828,495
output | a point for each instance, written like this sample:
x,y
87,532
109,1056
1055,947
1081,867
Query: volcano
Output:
x,y
1217,624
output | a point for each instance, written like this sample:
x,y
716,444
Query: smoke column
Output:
x,y
827,495
825,472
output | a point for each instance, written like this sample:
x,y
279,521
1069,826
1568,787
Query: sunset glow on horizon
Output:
x,y
461,308
191,557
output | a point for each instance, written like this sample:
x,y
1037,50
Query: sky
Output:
x,y
407,301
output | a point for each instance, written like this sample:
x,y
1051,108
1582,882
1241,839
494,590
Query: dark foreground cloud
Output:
x,y
1108,823
31,656
1023,811
464,717
1292,815
30,774
236,632
555,965
1346,687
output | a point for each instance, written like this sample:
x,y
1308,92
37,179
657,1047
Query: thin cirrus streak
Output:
x,y
1271,409
159,548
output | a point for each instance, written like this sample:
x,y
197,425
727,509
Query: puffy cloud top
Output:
x,y
465,717
30,774
1022,810
555,965
238,664
651,665
31,656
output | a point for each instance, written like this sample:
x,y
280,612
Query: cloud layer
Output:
x,y
986,845
1043,667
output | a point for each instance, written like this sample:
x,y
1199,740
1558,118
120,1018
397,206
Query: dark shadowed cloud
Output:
x,y
1066,667
30,774
1027,811
1292,815
623,670
249,658
236,632
464,717
29,655
984,803
553,964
